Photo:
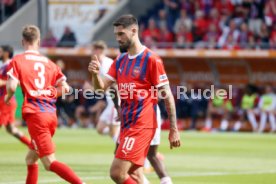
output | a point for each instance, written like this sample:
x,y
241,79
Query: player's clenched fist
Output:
x,y
94,65
174,138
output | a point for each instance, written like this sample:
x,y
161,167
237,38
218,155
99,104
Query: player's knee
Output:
x,y
9,129
117,176
46,166
99,130
30,160
47,161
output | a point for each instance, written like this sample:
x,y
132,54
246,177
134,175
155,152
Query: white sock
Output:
x,y
166,180
208,123
224,125
263,122
145,180
252,120
272,122
237,126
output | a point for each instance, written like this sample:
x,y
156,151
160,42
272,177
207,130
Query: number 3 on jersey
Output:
x,y
41,71
128,143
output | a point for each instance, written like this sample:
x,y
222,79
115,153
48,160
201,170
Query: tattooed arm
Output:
x,y
166,93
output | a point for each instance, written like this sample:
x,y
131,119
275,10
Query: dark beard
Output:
x,y
125,47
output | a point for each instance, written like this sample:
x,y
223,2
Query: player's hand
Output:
x,y
7,99
94,65
174,138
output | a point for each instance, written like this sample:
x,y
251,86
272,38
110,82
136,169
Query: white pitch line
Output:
x,y
173,174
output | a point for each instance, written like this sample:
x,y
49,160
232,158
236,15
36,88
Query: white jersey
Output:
x,y
106,62
109,114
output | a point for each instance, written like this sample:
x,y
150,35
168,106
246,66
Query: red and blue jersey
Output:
x,y
3,76
38,77
138,78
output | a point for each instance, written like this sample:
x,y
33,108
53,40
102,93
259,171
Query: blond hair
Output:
x,y
100,44
31,33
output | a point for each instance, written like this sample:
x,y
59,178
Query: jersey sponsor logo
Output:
x,y
36,58
127,86
49,92
163,77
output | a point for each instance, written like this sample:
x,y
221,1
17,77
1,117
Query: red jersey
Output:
x,y
136,76
3,76
9,109
38,77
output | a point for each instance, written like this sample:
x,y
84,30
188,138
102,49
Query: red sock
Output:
x,y
32,175
129,180
65,172
25,140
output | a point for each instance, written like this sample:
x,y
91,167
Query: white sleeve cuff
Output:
x,y
161,84
110,77
12,76
63,78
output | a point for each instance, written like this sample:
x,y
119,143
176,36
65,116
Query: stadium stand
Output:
x,y
202,42
211,24
9,7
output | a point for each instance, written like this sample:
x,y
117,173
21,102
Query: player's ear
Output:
x,y
133,31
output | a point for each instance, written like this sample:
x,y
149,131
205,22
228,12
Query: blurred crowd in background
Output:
x,y
8,7
191,24
251,108
211,24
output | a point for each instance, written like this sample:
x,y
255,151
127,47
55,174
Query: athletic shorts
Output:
x,y
41,127
109,114
134,145
157,135
7,113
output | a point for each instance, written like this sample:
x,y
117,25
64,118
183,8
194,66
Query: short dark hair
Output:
x,y
125,21
9,49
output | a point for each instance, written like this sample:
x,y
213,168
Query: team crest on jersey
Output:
x,y
136,71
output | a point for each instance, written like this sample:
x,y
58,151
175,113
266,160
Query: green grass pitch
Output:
x,y
220,158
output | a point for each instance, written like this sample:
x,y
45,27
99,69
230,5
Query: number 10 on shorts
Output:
x,y
128,143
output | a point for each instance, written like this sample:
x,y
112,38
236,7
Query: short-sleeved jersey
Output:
x,y
138,78
105,65
38,77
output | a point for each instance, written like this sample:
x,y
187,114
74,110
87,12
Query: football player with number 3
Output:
x,y
41,81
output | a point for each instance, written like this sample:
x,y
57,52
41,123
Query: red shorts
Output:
x,y
41,127
134,145
7,113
